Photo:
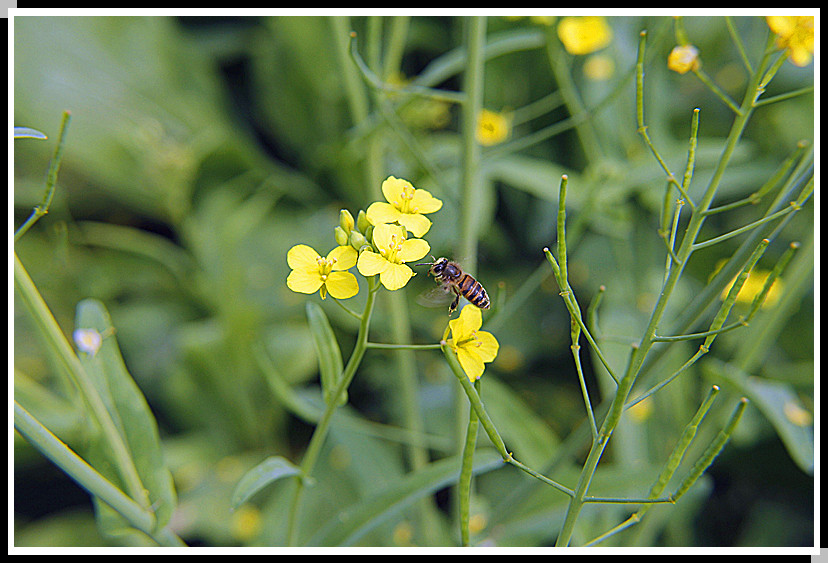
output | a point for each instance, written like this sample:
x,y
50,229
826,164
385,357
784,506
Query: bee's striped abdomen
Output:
x,y
472,290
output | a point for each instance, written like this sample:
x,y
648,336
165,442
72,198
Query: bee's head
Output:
x,y
437,266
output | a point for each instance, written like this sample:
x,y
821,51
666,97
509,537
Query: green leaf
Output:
x,y
780,405
352,523
327,351
268,471
132,417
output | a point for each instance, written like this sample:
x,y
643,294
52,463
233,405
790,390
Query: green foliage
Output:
x,y
201,150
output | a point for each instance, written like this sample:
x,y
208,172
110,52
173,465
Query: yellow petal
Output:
x,y
395,276
472,319
302,256
471,363
424,202
371,263
345,256
304,281
413,249
781,25
392,189
342,285
417,224
385,236
487,346
380,212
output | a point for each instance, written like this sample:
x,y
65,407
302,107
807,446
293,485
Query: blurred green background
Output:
x,y
201,149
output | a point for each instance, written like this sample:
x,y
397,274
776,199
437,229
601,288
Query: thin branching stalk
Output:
x,y
51,179
322,427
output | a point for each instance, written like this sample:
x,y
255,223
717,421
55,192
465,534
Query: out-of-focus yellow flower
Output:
x,y
543,20
796,34
582,35
246,523
642,410
473,346
311,273
753,286
683,58
797,414
394,250
599,68
492,128
406,205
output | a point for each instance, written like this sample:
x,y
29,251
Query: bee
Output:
x,y
455,280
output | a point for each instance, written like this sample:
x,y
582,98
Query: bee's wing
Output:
x,y
436,297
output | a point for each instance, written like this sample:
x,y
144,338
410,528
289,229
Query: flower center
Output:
x,y
472,341
325,266
405,204
394,246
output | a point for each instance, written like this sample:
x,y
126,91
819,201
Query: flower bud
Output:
x,y
362,222
341,236
346,220
357,240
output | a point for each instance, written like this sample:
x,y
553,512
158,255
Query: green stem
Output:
x,y
87,477
640,353
473,87
488,425
51,180
466,472
322,427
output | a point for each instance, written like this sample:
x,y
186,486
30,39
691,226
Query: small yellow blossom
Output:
x,y
796,34
394,250
246,523
753,286
599,68
797,414
472,345
492,128
406,205
684,58
311,273
582,35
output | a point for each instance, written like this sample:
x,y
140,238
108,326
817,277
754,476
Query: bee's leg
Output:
x,y
453,306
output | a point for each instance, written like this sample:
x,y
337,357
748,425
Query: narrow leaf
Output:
x,y
128,410
268,471
327,351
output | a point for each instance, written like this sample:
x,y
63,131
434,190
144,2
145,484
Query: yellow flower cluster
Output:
x,y
377,243
796,34
381,242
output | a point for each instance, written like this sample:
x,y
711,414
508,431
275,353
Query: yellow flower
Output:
x,y
405,206
683,58
753,286
796,34
310,272
584,35
246,523
394,251
599,68
492,128
472,345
